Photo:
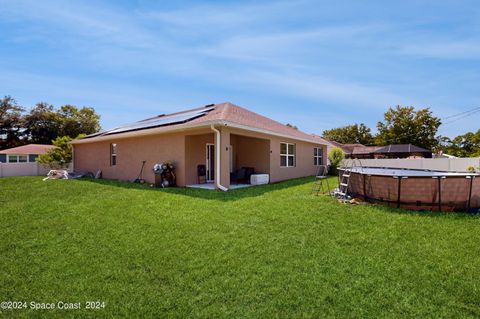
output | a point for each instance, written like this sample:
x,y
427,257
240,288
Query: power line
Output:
x,y
465,114
462,113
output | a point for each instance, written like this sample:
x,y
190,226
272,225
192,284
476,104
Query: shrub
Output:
x,y
335,156
58,157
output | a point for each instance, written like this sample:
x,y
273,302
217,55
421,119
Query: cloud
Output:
x,y
446,49
323,89
117,103
102,24
265,46
120,56
220,16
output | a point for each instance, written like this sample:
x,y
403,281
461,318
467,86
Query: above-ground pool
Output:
x,y
416,189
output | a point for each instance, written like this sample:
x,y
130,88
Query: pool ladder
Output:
x,y
344,179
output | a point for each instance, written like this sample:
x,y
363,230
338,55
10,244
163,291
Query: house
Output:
x,y
222,137
20,161
360,151
402,151
356,150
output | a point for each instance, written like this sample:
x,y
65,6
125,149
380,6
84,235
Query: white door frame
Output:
x,y
210,162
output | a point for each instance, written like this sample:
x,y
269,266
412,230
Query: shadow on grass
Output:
x,y
255,191
382,207
231,195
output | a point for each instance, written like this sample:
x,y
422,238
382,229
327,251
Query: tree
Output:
x,y
58,157
350,134
405,125
466,145
10,123
78,121
43,124
335,156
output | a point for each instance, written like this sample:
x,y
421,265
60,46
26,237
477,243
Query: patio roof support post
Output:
x,y
218,146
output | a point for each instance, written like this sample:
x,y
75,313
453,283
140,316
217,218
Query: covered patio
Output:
x,y
240,156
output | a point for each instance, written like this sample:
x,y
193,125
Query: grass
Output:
x,y
268,251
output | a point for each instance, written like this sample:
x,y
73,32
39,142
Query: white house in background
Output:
x,y
20,161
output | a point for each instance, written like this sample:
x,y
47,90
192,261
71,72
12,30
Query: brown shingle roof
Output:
x,y
239,115
401,148
28,149
362,150
231,113
333,143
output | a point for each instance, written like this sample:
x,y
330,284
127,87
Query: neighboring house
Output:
x,y
356,150
361,151
20,161
222,137
402,151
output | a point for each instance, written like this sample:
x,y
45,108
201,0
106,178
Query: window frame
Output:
x,y
24,157
318,157
113,154
10,156
288,155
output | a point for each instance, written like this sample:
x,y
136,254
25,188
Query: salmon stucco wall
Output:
x,y
304,155
130,154
304,165
187,151
195,151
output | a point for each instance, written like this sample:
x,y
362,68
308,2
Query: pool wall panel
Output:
x,y
417,193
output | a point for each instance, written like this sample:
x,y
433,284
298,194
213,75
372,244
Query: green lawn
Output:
x,y
268,251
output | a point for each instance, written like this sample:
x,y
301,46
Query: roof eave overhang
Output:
x,y
147,132
188,127
268,132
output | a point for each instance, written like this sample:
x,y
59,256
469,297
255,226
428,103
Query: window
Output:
x,y
12,158
287,155
113,154
317,156
17,159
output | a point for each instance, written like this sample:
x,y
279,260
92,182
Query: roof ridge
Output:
x,y
230,105
223,113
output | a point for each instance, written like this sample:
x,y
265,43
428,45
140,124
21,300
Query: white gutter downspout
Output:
x,y
217,159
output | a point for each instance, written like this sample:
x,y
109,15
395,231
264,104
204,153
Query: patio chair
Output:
x,y
242,175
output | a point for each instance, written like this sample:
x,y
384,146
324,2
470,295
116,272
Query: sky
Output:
x,y
315,64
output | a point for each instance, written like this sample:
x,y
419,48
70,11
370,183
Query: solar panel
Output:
x,y
160,121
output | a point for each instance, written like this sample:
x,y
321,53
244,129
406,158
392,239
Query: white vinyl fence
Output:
x,y
437,164
21,169
24,169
